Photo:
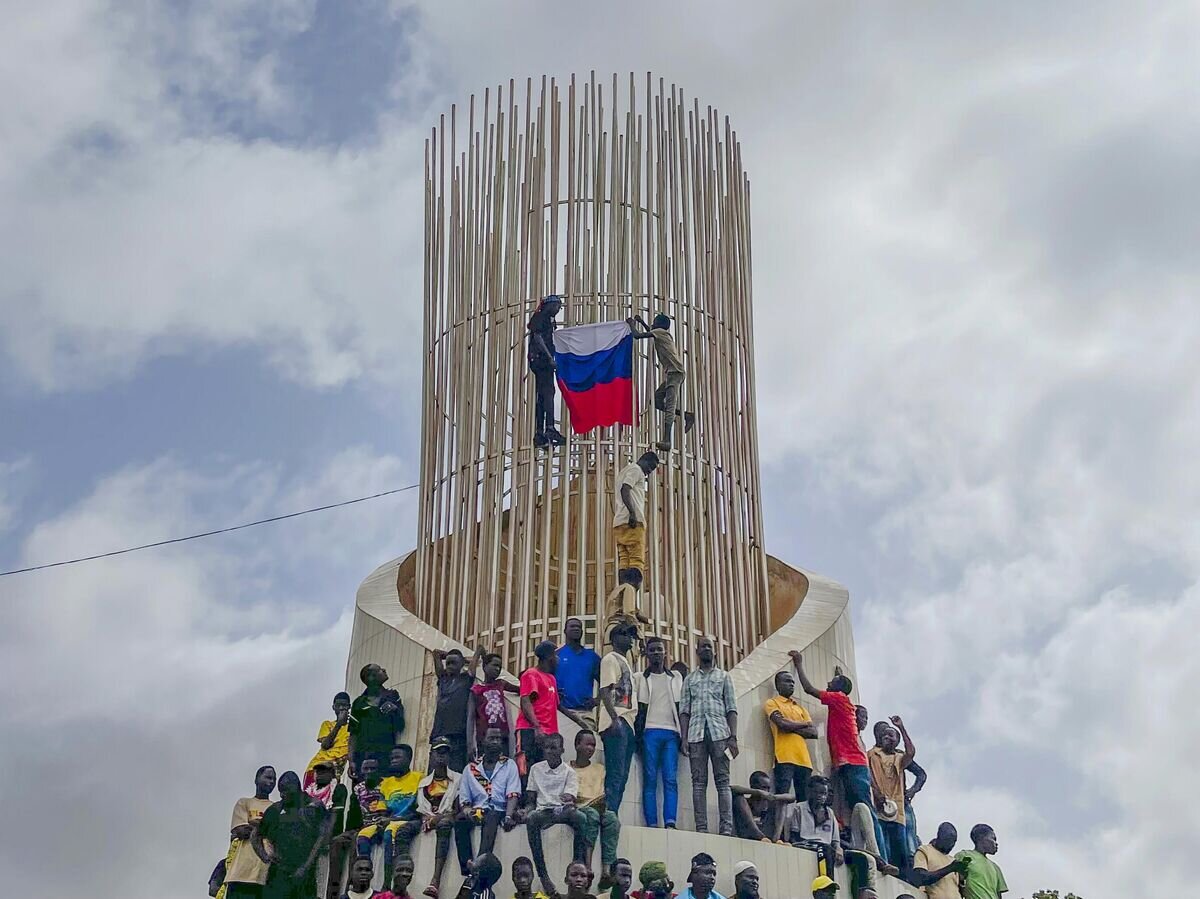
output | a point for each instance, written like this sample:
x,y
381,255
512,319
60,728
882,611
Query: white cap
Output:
x,y
739,867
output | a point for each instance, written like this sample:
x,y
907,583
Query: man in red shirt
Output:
x,y
540,705
847,758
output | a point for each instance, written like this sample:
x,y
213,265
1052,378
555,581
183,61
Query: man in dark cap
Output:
x,y
543,367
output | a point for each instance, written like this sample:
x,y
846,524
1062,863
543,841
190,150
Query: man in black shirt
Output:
x,y
543,367
453,699
297,827
376,720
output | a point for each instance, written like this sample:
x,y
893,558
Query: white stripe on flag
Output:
x,y
583,340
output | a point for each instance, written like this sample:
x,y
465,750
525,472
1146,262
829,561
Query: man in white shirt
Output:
x,y
553,789
618,711
658,689
629,534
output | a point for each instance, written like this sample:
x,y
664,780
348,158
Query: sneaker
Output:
x,y
540,440
689,419
554,437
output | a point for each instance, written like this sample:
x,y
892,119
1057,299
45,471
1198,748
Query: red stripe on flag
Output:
x,y
603,405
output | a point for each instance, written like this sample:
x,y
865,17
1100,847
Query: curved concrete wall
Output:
x,y
386,633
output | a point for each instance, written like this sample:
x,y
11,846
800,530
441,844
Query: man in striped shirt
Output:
x,y
708,720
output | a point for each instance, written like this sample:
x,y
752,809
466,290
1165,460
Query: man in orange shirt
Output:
x,y
791,726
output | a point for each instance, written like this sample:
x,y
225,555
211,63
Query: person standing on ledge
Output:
x,y
540,705
982,878
543,367
629,533
845,749
453,698
578,669
791,727
618,711
376,720
935,869
708,720
657,725
887,766
666,395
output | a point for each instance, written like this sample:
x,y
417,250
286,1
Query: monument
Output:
x,y
623,198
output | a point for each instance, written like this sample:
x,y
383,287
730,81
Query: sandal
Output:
x,y
431,891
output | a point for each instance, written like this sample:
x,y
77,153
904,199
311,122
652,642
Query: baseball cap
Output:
x,y
823,883
739,867
439,743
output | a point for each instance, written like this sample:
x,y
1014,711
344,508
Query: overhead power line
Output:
x,y
236,527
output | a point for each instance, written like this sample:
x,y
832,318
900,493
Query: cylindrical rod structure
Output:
x,y
623,198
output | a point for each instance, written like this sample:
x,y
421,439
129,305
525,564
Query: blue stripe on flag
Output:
x,y
580,373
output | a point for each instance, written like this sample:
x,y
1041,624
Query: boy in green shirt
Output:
x,y
982,878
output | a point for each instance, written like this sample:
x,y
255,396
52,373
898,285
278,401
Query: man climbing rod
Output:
x,y
666,395
629,534
542,365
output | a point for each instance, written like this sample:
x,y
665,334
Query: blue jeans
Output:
x,y
618,755
856,785
912,842
893,847
660,756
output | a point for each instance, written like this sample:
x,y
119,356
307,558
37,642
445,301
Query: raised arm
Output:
x,y
636,322
439,656
909,749
805,684
473,667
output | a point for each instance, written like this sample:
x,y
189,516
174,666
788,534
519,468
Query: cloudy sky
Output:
x,y
976,279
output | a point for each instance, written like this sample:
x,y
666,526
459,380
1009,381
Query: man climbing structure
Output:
x,y
542,366
666,395
629,533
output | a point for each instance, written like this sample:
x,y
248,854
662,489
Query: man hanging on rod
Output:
x,y
666,395
629,534
541,364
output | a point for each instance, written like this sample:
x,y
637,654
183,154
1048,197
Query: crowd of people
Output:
x,y
489,773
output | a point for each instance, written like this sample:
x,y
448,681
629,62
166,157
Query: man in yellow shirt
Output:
x,y
334,739
791,727
399,790
935,869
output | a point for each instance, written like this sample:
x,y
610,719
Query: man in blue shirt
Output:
x,y
702,879
578,669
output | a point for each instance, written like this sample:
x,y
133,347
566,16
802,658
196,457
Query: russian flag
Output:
x,y
595,374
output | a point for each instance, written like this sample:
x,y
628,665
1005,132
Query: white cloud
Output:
x,y
128,233
183,668
975,303
14,483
